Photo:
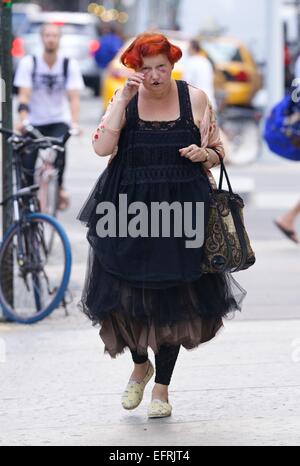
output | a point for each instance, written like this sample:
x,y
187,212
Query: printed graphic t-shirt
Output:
x,y
49,101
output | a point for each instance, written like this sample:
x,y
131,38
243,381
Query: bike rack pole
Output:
x,y
6,105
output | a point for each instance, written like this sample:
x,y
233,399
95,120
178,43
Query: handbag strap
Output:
x,y
224,171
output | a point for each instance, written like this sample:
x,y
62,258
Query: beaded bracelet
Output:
x,y
207,156
214,164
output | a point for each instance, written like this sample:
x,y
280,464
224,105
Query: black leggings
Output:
x,y
28,160
165,361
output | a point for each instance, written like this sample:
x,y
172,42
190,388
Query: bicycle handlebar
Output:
x,y
48,141
242,113
7,132
33,136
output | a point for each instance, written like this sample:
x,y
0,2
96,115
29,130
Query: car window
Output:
x,y
222,52
19,22
67,28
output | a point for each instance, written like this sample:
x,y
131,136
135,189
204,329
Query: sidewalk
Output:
x,y
58,388
242,388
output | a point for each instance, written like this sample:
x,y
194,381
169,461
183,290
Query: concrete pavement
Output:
x,y
58,388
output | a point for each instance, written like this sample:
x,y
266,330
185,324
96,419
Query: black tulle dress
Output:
x,y
148,291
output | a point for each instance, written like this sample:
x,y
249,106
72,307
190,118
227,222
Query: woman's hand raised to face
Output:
x,y
131,86
194,153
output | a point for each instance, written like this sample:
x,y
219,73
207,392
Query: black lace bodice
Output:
x,y
152,151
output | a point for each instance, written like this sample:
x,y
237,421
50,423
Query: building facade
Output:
x,y
142,13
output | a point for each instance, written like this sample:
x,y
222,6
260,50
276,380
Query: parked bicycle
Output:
x,y
45,175
33,280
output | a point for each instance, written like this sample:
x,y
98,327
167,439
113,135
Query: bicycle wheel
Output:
x,y
39,279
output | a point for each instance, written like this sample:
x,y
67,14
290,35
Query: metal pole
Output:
x,y
297,4
275,52
6,75
142,18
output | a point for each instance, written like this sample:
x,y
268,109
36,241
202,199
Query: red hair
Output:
x,y
149,44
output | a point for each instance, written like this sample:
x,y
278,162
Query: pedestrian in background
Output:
x,y
286,223
199,72
110,43
49,99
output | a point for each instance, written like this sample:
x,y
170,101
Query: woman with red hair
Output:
x,y
149,291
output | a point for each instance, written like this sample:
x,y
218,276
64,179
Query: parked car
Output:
x,y
236,73
21,14
79,40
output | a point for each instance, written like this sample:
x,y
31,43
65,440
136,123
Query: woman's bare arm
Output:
x,y
215,144
205,116
107,134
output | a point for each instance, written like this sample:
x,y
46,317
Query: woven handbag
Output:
x,y
227,247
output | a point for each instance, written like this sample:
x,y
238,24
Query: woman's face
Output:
x,y
157,71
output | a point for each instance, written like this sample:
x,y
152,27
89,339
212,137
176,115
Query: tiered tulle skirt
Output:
x,y
132,317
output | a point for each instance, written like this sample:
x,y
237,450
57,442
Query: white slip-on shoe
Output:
x,y
134,392
159,408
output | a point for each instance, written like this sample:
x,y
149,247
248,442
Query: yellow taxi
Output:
x,y
235,71
241,74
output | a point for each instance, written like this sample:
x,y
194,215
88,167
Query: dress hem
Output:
x,y
124,343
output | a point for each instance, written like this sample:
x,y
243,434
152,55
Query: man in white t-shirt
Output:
x,y
49,97
199,72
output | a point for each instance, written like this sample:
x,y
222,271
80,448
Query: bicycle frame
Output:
x,y
45,172
20,143
19,194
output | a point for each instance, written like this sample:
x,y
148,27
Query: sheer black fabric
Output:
x,y
211,296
